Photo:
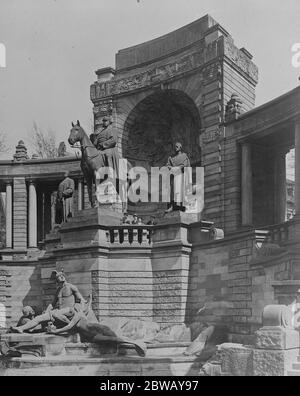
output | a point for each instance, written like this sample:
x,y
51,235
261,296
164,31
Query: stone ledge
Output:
x,y
277,338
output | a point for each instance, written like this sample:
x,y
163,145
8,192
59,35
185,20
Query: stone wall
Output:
x,y
20,285
5,301
235,82
231,274
165,45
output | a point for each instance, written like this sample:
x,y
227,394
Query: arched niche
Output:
x,y
154,126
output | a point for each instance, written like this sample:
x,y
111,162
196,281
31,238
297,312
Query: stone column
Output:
x,y
280,187
9,215
53,209
247,198
297,167
32,215
80,194
20,214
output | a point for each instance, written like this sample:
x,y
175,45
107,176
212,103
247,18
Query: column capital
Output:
x,y
31,181
8,182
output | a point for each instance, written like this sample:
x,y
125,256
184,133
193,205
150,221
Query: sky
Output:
x,y
54,47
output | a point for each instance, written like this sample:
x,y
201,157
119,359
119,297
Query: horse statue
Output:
x,y
91,159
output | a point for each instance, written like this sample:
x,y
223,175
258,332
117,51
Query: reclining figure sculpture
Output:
x,y
69,312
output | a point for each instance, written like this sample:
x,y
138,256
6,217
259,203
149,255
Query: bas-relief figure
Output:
x,y
70,312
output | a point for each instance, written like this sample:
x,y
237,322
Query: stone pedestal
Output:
x,y
276,350
236,360
135,272
39,345
170,265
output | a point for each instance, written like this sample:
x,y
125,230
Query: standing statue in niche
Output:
x,y
65,196
180,165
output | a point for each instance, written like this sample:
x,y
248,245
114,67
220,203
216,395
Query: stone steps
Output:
x,y
153,350
108,366
64,356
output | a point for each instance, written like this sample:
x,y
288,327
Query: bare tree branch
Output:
x,y
3,145
44,144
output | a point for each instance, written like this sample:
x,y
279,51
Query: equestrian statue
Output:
x,y
98,151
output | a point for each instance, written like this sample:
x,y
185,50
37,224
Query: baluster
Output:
x,y
116,236
135,236
125,235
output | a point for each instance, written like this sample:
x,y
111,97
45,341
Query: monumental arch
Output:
x,y
196,86
176,87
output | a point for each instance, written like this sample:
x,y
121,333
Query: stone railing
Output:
x,y
278,233
130,234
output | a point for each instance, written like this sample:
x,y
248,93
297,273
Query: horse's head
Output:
x,y
76,133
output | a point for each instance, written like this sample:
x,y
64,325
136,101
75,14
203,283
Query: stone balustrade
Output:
x,y
278,233
130,234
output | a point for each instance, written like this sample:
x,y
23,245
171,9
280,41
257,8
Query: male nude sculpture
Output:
x,y
66,296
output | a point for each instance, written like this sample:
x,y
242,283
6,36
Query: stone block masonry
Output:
x,y
139,280
221,274
5,298
20,285
196,78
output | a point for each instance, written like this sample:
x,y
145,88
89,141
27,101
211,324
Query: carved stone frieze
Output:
x,y
210,135
240,59
104,108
